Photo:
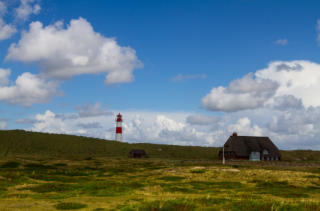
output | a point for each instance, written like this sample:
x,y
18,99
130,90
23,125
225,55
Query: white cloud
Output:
x,y
138,126
182,77
241,94
77,49
26,121
318,29
28,89
4,77
3,125
198,119
3,8
282,42
90,125
286,102
27,8
292,83
293,129
243,127
6,30
88,110
48,122
300,79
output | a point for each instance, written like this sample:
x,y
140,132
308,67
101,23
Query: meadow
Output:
x,y
37,177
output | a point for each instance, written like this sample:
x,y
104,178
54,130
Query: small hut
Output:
x,y
249,148
138,153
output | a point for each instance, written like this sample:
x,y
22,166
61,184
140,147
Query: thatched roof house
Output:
x,y
250,148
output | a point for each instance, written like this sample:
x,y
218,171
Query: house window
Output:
x,y
265,152
255,156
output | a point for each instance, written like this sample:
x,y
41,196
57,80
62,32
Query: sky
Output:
x,y
180,72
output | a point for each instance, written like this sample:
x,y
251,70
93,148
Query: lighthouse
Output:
x,y
119,127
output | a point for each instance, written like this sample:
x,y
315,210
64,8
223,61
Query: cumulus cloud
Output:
x,y
88,110
26,121
281,42
281,83
162,128
48,122
300,79
27,8
318,29
286,102
245,93
27,90
89,125
182,77
3,125
4,77
138,126
64,52
292,129
197,119
6,30
243,126
3,8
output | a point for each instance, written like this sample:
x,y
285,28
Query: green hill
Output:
x,y
20,142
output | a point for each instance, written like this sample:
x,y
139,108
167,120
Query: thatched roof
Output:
x,y
244,145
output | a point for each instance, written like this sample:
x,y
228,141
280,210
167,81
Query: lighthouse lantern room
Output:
x,y
119,127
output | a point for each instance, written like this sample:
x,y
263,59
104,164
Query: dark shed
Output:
x,y
138,153
250,148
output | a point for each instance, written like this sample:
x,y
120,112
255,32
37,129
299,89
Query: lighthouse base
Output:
x,y
118,137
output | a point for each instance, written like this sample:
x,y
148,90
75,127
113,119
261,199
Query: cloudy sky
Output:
x,y
180,72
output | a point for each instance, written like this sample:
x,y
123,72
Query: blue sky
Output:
x,y
183,51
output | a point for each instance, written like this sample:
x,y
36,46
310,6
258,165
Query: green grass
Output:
x,y
130,184
70,206
48,171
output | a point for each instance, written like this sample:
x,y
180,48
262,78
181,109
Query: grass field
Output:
x,y
156,184
58,172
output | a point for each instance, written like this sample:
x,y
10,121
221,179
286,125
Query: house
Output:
x,y
138,153
249,148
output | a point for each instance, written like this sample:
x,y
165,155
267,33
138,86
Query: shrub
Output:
x,y
10,164
70,206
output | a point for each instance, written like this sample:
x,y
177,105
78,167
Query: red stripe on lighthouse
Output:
x,y
119,130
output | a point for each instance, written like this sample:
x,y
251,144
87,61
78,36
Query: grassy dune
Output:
x,y
19,142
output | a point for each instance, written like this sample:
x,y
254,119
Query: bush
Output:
x,y
70,206
10,164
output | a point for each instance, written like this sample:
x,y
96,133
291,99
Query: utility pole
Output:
x,y
223,159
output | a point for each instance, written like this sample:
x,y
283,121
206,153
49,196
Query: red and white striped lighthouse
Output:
x,y
119,127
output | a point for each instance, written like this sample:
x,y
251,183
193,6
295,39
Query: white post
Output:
x,y
223,159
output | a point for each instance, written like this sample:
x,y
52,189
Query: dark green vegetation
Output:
x,y
70,206
19,142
